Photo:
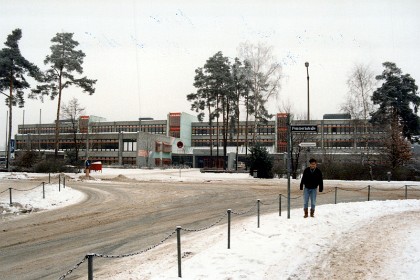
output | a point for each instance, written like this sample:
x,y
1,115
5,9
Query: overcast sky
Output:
x,y
144,53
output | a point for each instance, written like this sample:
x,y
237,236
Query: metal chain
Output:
x,y
25,190
245,212
204,228
74,268
353,190
269,203
136,253
292,197
4,191
387,189
327,192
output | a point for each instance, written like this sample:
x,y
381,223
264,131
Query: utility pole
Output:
x,y
289,161
307,77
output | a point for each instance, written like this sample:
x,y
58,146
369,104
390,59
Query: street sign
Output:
x,y
180,144
304,128
307,144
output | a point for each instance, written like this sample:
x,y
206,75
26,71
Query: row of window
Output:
x,y
155,129
206,143
44,130
261,130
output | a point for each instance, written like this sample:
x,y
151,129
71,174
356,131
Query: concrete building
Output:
x,y
182,139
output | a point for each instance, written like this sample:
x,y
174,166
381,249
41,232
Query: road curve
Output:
x,y
126,216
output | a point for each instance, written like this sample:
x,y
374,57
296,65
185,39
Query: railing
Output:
x,y
228,214
60,182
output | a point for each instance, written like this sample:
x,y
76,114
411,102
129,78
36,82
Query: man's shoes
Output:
x,y
305,211
312,213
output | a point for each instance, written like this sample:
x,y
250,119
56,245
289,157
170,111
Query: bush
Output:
x,y
261,161
26,160
355,171
50,166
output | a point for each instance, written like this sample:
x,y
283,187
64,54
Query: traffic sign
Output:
x,y
180,144
304,128
307,144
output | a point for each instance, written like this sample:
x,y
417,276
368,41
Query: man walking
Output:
x,y
311,179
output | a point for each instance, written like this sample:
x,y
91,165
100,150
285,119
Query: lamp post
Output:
x,y
307,77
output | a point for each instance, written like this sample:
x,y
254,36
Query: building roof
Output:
x,y
336,117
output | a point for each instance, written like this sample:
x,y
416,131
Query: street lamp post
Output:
x,y
307,77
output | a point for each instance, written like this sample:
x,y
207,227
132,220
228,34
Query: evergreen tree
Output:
x,y
397,99
63,61
214,90
261,162
14,69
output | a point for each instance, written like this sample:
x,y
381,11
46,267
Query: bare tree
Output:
x,y
266,75
72,112
361,84
297,152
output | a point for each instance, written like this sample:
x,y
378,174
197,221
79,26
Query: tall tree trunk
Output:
x,y
217,132
211,136
9,136
237,133
57,122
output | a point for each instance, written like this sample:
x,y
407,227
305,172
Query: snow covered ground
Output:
x,y
361,240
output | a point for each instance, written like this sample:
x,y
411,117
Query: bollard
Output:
x,y
10,195
59,183
279,204
368,192
90,266
64,182
406,193
178,242
258,213
49,178
335,197
43,190
229,211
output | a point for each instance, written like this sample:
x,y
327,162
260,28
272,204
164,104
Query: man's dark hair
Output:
x,y
312,160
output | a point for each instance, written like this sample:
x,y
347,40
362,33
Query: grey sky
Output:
x,y
144,53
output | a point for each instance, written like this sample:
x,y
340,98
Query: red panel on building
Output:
x,y
174,124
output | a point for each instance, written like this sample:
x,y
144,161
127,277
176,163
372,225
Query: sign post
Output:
x,y
180,145
87,165
304,128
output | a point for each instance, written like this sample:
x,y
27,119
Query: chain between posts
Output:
x,y
411,187
136,253
73,269
245,212
204,228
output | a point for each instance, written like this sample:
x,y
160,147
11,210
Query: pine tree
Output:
x,y
14,69
63,61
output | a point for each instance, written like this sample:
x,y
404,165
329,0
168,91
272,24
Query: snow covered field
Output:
x,y
361,240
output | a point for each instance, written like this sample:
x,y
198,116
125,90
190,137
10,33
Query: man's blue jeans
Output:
x,y
309,193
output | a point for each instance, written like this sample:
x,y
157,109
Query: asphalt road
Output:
x,y
123,217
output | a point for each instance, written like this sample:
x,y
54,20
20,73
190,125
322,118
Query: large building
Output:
x,y
182,139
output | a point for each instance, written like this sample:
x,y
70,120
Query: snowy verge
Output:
x,y
295,248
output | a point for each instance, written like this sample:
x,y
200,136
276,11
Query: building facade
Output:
x,y
148,142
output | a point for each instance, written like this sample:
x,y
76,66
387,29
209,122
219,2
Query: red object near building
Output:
x,y
97,166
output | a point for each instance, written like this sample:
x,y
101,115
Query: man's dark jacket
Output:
x,y
312,180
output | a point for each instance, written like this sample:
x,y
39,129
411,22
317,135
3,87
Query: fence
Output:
x,y
90,257
61,182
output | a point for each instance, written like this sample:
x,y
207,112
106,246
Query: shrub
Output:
x,y
25,161
50,165
261,161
